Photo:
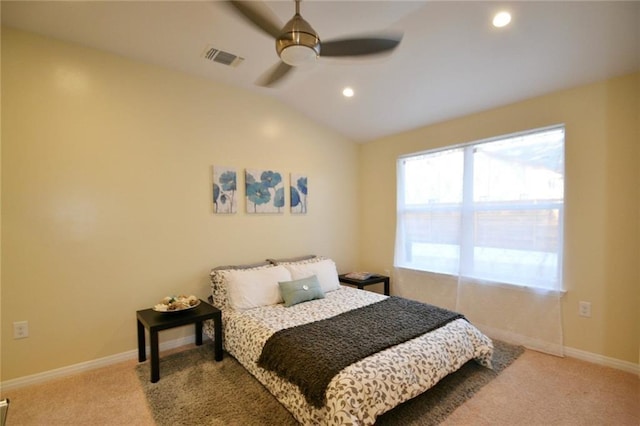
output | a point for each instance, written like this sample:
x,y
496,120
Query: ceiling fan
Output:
x,y
297,43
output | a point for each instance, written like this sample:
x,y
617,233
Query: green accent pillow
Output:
x,y
302,290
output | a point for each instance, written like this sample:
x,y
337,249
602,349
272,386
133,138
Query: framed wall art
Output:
x,y
298,193
264,191
225,186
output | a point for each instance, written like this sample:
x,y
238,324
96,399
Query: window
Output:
x,y
490,210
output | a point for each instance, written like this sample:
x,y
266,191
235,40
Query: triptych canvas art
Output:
x,y
264,191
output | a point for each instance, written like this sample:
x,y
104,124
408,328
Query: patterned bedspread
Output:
x,y
367,388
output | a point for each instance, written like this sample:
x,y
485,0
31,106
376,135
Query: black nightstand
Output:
x,y
158,321
375,279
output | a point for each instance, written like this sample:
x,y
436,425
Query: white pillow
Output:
x,y
248,289
325,270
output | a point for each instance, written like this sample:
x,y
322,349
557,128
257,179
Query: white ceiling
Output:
x,y
451,61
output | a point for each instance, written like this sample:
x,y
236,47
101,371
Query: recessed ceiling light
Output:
x,y
501,19
347,92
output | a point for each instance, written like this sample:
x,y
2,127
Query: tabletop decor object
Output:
x,y
176,303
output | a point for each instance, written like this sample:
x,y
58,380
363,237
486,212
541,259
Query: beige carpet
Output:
x,y
210,393
537,389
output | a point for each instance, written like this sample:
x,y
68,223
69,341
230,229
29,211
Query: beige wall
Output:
x,y
602,233
107,205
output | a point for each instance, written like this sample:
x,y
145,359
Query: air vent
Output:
x,y
220,56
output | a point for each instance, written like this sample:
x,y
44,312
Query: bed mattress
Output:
x,y
367,388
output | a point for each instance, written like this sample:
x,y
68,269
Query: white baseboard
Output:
x,y
133,354
88,365
603,360
520,339
559,350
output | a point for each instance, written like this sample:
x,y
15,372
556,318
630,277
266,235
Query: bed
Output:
x,y
263,301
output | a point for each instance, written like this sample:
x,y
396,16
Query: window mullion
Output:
x,y
467,225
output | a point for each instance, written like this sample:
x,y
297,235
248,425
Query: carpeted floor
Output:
x,y
537,389
209,392
212,393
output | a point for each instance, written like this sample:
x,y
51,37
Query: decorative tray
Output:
x,y
173,304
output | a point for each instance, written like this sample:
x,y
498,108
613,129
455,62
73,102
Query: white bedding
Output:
x,y
367,388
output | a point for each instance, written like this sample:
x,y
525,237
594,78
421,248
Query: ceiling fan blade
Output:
x,y
359,46
259,15
274,74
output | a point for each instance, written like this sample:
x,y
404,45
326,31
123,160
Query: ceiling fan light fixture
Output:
x,y
297,55
298,44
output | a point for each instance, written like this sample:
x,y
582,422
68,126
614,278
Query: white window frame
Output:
x,y
462,261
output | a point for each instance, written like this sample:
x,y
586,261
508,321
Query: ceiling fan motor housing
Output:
x,y
298,43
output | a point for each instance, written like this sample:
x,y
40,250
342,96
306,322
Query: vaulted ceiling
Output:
x,y
451,61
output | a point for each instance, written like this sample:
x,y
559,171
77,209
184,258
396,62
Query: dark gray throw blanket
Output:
x,y
310,355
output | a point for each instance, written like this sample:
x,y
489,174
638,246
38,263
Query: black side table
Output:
x,y
157,321
375,279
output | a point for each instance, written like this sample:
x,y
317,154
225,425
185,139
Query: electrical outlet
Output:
x,y
20,329
584,309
